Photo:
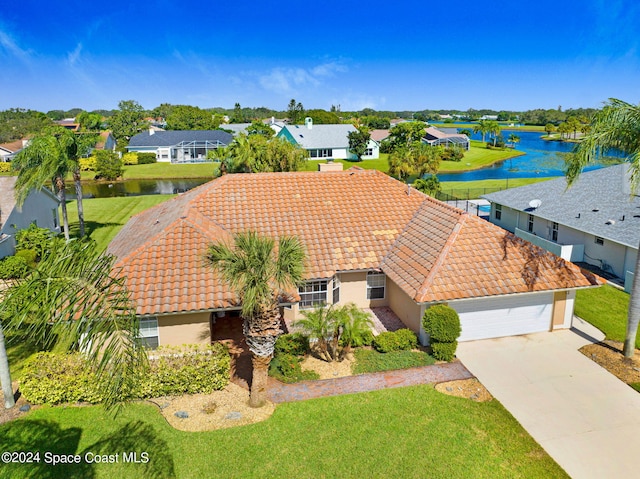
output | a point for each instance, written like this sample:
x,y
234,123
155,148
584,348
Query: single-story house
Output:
x,y
326,141
380,135
435,137
106,142
370,240
179,146
40,207
596,221
10,149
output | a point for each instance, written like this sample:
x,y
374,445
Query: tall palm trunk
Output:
x,y
59,180
5,375
78,186
633,315
261,332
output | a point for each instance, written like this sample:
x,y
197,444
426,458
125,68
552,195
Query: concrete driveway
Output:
x,y
583,416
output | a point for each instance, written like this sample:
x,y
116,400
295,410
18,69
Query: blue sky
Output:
x,y
402,55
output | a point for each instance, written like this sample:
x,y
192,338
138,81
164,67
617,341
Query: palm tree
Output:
x,y
354,323
617,125
319,324
259,275
400,164
483,127
73,300
513,138
50,157
493,127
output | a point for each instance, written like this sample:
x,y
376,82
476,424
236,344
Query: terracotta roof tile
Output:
x,y
347,220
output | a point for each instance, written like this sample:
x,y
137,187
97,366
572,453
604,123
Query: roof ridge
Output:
x,y
428,281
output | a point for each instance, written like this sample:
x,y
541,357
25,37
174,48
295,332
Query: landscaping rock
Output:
x,y
182,414
233,415
25,408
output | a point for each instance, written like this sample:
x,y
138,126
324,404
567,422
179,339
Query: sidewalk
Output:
x,y
278,392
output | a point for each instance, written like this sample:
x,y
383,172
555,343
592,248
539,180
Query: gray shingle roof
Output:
x,y
596,198
173,137
321,136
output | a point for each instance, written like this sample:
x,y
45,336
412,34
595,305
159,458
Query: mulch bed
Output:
x,y
608,354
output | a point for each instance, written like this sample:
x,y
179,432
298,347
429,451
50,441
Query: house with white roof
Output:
x,y
326,141
595,221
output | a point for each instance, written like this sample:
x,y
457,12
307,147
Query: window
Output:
x,y
149,332
599,240
554,232
368,152
498,212
312,294
336,290
530,224
375,285
324,153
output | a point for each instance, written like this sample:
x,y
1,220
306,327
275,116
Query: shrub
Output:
x,y
386,342
5,167
53,378
146,158
442,323
29,255
130,158
444,351
365,338
34,238
108,165
452,153
87,164
13,267
296,344
286,368
370,361
407,339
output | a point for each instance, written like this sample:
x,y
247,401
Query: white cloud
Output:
x,y
72,57
288,80
11,48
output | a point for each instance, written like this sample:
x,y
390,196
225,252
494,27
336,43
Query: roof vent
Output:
x,y
535,204
610,222
595,210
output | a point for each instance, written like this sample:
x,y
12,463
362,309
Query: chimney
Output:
x,y
308,121
151,131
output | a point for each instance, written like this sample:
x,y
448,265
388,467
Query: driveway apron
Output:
x,y
583,416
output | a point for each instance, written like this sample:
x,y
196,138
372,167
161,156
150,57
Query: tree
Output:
x,y
259,128
494,129
418,159
549,128
322,117
238,115
48,156
513,139
256,154
108,165
358,141
295,111
74,301
482,127
406,133
574,125
184,117
564,129
259,275
617,125
429,186
89,121
127,121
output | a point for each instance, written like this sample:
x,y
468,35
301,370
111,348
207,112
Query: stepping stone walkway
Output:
x,y
278,392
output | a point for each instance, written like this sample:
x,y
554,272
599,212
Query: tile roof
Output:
x,y
348,220
173,137
594,199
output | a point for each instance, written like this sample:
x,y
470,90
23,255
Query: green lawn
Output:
x,y
606,308
405,432
477,188
504,126
105,216
478,157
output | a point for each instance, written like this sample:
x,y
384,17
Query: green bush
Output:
x,y
13,267
407,339
53,378
34,238
108,165
442,323
5,167
365,338
87,164
370,361
296,344
444,351
286,368
29,255
386,342
146,158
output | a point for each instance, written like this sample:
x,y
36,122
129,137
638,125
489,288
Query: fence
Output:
x,y
467,193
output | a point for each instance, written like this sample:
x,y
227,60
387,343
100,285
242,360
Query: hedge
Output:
x,y
401,340
5,167
53,378
442,323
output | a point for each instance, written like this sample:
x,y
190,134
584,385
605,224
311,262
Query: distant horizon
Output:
x,y
408,56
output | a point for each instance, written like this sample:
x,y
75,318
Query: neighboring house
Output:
x,y
326,141
11,149
236,128
69,124
179,146
596,221
435,137
369,239
106,142
379,135
40,207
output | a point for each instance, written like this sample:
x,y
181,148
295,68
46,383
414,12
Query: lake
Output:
x,y
543,159
135,187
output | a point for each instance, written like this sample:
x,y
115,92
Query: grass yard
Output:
x,y
470,126
404,432
380,164
105,216
477,188
478,157
605,308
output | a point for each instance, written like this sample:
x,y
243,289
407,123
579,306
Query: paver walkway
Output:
x,y
279,392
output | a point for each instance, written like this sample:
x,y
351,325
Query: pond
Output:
x,y
136,187
543,159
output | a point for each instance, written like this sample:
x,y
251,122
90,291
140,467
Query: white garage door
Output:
x,y
497,317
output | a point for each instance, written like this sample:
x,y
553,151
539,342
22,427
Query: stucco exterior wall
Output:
x,y
193,328
409,312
